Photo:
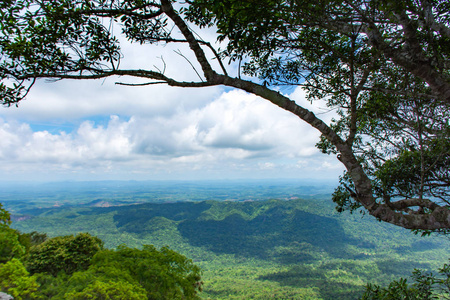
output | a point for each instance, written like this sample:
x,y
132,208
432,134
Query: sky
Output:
x,y
97,130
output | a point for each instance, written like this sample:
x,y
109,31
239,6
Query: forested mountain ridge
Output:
x,y
288,248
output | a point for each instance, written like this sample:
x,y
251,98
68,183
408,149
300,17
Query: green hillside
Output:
x,y
273,249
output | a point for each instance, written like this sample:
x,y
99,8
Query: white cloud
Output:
x,y
232,134
72,100
267,166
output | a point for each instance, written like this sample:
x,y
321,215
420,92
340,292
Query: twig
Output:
x,y
181,54
141,84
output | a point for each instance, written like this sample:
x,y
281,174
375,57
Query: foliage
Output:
x,y
50,286
10,245
114,290
128,273
16,281
5,218
425,286
77,267
33,238
65,253
164,274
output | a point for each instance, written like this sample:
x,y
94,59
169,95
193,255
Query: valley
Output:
x,y
254,240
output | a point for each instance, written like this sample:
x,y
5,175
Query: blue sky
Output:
x,y
97,130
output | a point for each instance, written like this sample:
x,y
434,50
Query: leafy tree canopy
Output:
x,y
65,253
109,290
5,218
424,286
16,281
163,274
77,267
10,245
127,273
383,66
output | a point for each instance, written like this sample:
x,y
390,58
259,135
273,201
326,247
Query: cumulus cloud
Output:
x,y
232,133
20,145
235,124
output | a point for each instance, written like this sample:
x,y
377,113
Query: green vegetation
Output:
x,y
424,286
77,267
272,249
16,280
131,273
5,218
63,253
10,245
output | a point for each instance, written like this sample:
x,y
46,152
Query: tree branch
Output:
x,y
411,202
133,73
427,14
413,62
167,8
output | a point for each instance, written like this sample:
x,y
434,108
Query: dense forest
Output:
x,y
268,249
78,267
